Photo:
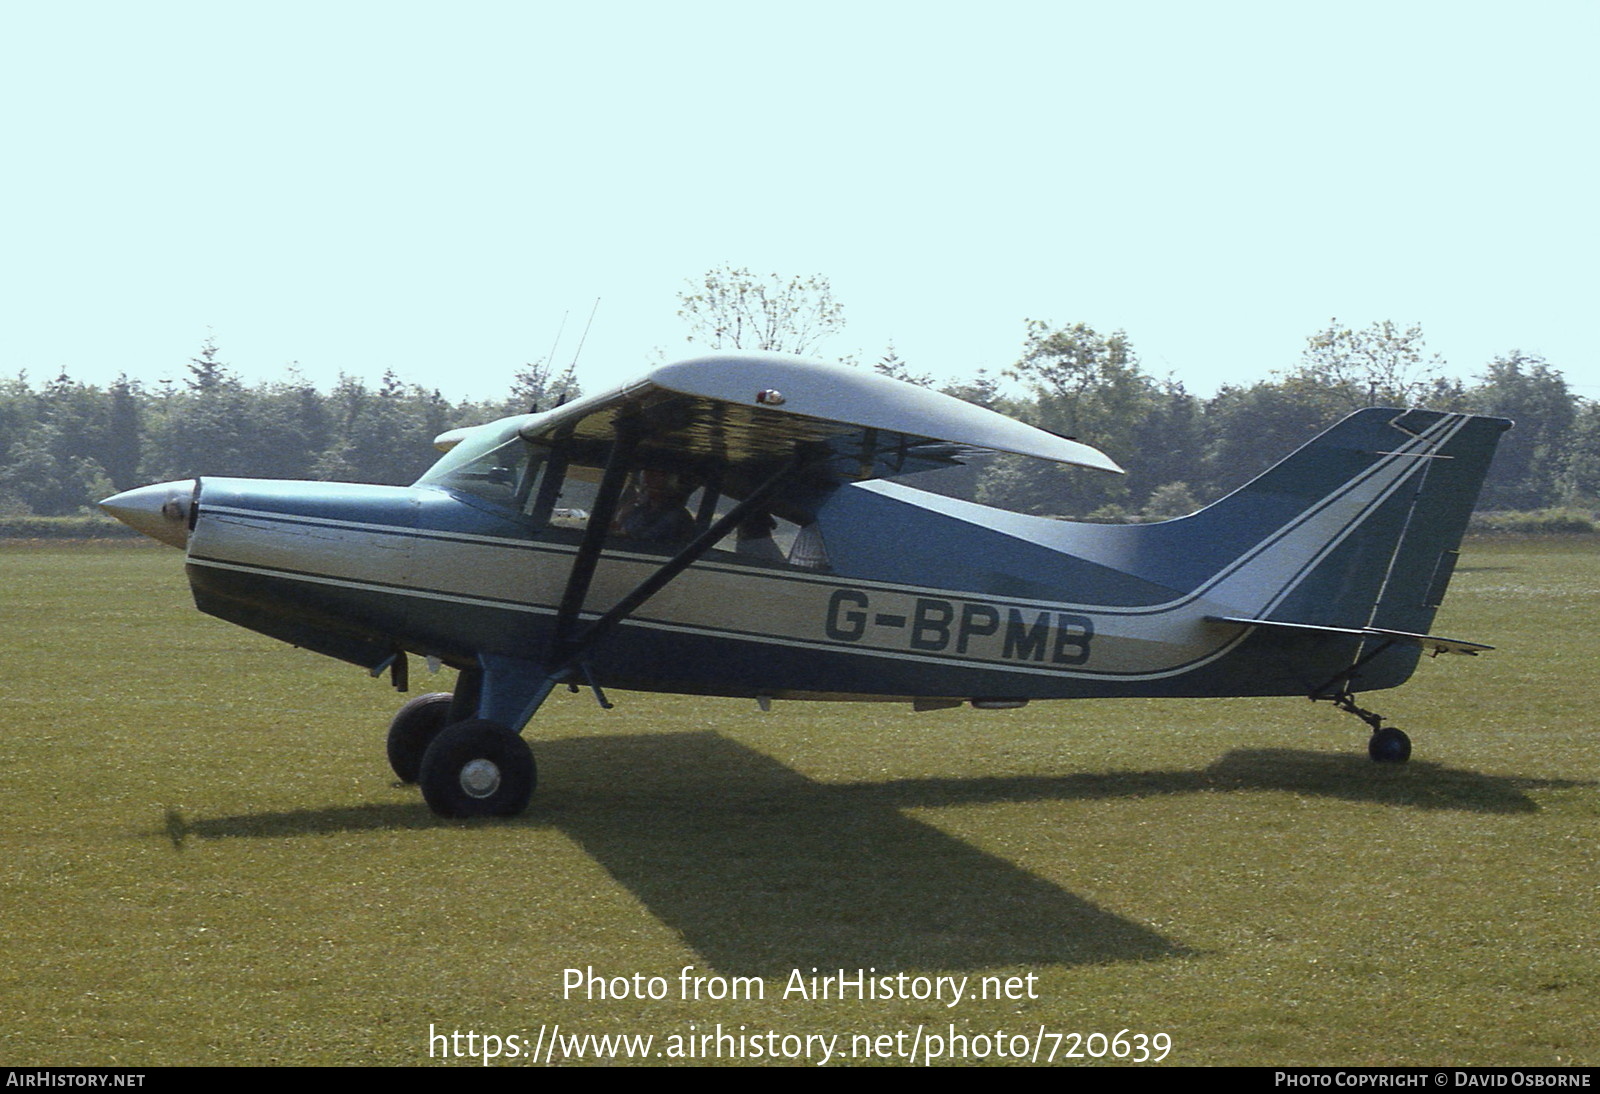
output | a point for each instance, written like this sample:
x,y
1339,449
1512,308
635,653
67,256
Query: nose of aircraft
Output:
x,y
160,511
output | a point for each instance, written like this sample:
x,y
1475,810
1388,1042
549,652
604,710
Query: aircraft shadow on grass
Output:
x,y
762,869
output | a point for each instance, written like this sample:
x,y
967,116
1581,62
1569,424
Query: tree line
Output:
x,y
1182,451
66,444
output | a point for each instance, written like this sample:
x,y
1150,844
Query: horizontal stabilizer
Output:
x,y
1432,643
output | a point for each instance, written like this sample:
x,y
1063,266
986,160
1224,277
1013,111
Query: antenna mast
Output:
x,y
551,357
573,367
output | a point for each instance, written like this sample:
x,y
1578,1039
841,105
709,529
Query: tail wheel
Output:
x,y
414,727
1389,746
478,769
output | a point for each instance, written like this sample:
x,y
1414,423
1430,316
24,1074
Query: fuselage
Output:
x,y
359,571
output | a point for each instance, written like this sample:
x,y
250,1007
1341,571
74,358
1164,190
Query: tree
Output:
x,y
1168,501
1528,467
290,427
731,308
206,373
205,429
1341,370
384,436
1251,428
1580,479
1380,365
892,365
1090,387
982,390
537,386
123,441
1070,365
56,445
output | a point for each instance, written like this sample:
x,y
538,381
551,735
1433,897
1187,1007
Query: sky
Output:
x,y
437,188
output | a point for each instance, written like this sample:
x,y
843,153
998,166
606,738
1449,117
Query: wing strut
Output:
x,y
629,433
568,646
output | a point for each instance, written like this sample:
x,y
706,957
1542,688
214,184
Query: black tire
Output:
x,y
1389,746
478,769
414,727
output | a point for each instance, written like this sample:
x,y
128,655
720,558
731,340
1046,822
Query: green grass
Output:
x,y
206,859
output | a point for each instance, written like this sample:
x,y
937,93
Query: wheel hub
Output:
x,y
480,778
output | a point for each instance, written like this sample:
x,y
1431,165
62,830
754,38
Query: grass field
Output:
x,y
207,861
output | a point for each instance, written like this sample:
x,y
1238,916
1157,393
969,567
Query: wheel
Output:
x,y
1389,746
414,727
477,769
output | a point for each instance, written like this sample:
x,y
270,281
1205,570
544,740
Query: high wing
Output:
x,y
766,429
747,410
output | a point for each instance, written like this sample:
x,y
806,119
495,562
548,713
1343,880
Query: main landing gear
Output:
x,y
468,768
478,768
464,749
413,730
1387,745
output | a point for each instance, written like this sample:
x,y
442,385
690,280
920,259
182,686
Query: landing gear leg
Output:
x,y
1388,745
462,750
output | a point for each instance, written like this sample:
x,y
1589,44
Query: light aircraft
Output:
x,y
735,525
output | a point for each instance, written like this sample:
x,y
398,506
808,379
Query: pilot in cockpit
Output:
x,y
654,511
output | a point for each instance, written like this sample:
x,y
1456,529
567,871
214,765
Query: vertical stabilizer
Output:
x,y
1425,555
1387,493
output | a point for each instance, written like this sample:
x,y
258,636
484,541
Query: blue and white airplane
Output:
x,y
736,525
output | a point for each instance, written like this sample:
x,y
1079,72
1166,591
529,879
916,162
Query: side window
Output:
x,y
765,537
574,497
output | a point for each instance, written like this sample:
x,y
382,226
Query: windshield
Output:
x,y
493,463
